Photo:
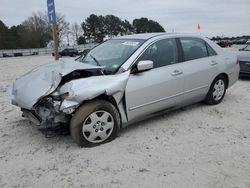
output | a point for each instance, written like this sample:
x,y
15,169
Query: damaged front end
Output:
x,y
49,95
46,114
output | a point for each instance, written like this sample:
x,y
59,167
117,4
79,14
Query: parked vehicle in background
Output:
x,y
72,52
123,80
8,55
224,44
242,41
85,52
244,60
82,54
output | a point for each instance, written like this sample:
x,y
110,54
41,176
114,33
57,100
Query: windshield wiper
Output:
x,y
97,62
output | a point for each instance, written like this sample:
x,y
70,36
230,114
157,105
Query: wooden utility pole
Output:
x,y
55,38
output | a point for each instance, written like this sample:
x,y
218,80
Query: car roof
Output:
x,y
146,36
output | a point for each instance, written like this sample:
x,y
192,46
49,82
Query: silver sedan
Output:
x,y
124,80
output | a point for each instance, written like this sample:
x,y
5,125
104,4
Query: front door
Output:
x,y
159,88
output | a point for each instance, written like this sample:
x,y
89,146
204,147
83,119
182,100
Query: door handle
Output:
x,y
213,63
176,72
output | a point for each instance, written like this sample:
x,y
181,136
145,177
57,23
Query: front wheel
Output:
x,y
217,90
94,123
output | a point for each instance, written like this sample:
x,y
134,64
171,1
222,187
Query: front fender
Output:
x,y
81,90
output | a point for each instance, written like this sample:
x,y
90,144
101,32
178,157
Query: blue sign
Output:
x,y
51,11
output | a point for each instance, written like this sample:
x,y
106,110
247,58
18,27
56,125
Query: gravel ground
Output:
x,y
197,146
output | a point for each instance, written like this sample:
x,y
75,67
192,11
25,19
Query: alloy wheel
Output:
x,y
98,126
219,89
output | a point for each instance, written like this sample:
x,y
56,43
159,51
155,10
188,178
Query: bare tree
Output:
x,y
35,31
63,26
41,30
76,31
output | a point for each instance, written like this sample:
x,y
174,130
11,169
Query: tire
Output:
x,y
216,91
95,123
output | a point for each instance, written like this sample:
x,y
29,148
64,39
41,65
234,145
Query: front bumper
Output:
x,y
31,116
46,114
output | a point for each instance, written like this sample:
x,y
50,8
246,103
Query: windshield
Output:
x,y
112,53
247,48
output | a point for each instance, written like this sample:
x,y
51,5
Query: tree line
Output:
x,y
96,28
35,31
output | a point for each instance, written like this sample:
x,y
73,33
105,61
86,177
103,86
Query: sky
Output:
x,y
216,17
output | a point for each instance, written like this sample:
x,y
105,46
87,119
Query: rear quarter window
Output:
x,y
211,51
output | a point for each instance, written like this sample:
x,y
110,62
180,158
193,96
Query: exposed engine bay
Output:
x,y
77,74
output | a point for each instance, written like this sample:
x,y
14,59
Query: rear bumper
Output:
x,y
244,74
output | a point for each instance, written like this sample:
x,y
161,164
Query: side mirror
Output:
x,y
144,65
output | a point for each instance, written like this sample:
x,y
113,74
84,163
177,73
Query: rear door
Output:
x,y
158,88
200,67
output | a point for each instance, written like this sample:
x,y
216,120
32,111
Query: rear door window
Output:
x,y
193,48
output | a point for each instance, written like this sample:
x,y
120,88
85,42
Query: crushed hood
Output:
x,y
42,81
66,66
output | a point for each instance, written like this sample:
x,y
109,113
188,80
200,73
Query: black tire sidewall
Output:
x,y
83,112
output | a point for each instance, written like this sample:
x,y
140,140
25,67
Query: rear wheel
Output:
x,y
217,90
94,123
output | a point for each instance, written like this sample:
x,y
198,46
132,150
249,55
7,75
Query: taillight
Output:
x,y
238,61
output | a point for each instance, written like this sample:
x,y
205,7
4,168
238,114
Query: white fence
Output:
x,y
40,51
